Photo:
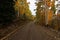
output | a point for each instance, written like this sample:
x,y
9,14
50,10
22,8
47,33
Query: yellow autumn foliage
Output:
x,y
16,5
50,15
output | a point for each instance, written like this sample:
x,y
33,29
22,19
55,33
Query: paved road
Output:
x,y
31,32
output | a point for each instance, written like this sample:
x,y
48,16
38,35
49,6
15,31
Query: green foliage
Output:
x,y
53,9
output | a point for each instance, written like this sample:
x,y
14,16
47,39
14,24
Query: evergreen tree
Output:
x,y
7,13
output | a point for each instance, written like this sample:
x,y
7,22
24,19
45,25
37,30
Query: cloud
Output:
x,y
32,6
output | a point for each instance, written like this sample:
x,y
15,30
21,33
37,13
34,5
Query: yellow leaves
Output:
x,y
19,7
49,3
50,15
27,14
21,10
17,4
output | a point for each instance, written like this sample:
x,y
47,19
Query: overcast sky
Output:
x,y
32,6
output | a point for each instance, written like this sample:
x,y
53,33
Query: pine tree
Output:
x,y
7,13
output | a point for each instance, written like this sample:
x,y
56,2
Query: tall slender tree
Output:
x,y
40,12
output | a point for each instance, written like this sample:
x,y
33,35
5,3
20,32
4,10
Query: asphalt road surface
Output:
x,y
31,32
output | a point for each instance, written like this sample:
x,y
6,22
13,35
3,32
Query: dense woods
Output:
x,y
40,13
45,14
10,10
22,7
7,12
16,17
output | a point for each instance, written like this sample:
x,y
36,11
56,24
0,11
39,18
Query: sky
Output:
x,y
32,6
55,2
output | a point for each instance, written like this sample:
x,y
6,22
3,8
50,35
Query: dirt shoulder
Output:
x,y
11,28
